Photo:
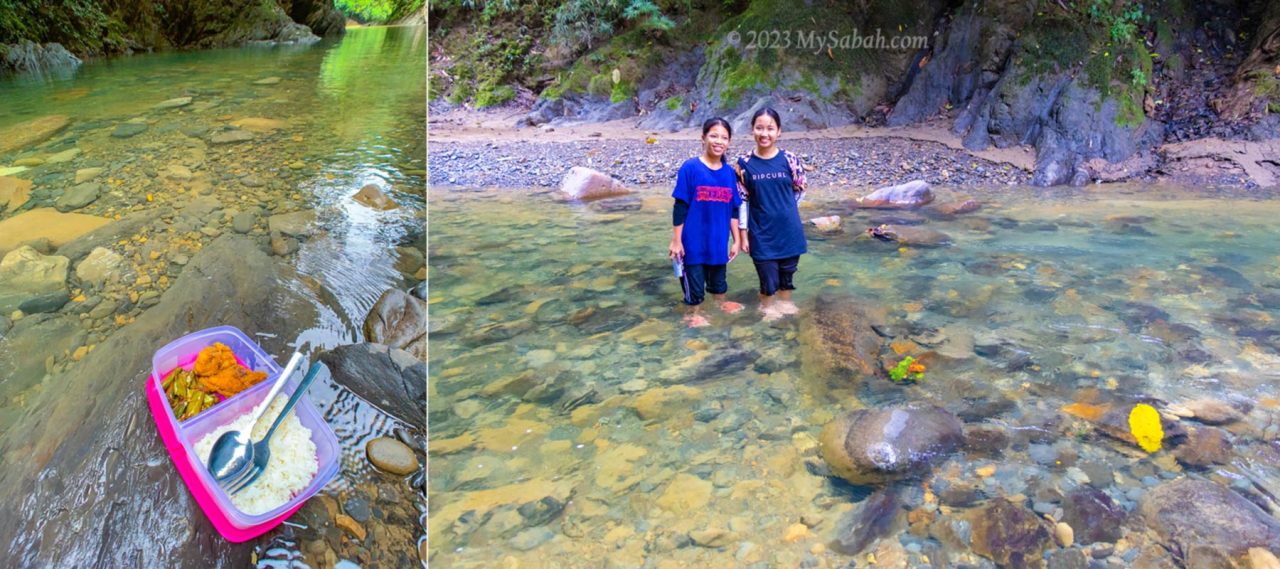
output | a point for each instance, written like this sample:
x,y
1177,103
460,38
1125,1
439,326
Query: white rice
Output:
x,y
292,466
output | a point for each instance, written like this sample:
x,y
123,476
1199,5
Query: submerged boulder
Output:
x,y
839,340
912,194
31,132
371,195
870,446
1009,534
587,184
910,235
1189,514
26,274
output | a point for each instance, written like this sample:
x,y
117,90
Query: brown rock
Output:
x,y
1188,513
912,194
398,319
13,192
391,455
31,132
58,228
870,446
910,235
839,341
957,208
1009,534
587,184
371,195
1205,446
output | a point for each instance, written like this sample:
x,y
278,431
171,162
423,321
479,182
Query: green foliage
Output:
x,y
586,22
382,11
496,96
674,103
907,370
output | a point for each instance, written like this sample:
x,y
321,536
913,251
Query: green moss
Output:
x,y
495,96
622,91
673,103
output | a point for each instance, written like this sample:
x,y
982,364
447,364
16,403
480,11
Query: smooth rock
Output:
x,y
78,196
14,192
957,208
583,183
231,136
58,228
31,132
839,341
259,125
173,103
398,320
1093,515
129,129
64,156
1009,534
391,455
295,224
47,302
912,194
100,267
1205,447
372,196
1188,513
869,520
85,174
828,224
870,446
392,380
267,81
910,235
532,538
243,222
25,273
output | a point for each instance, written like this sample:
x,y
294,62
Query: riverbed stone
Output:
x,y
1205,447
869,520
583,183
838,340
871,446
911,235
85,174
128,130
294,224
64,156
14,192
390,379
1093,515
78,196
231,136
391,455
1189,513
1009,534
173,103
398,320
31,132
100,267
46,302
371,195
259,125
243,222
25,274
912,194
58,228
267,81
283,245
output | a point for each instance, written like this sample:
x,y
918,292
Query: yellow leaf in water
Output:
x,y
650,140
150,198
1085,411
1144,425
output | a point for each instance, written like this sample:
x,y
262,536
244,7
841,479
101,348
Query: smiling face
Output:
x,y
766,131
716,141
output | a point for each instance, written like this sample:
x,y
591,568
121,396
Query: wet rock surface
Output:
x,y
390,379
873,446
1188,514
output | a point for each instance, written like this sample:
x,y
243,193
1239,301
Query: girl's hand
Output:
x,y
745,244
733,249
675,250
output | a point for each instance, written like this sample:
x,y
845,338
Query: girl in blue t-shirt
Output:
x,y
772,183
704,219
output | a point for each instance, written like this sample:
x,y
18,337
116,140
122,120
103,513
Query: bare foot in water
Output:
x,y
730,307
787,307
696,321
770,313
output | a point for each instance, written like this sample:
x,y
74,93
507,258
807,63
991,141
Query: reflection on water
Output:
x,y
575,423
323,121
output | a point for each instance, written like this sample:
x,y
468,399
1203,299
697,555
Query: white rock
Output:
x,y
101,266
586,184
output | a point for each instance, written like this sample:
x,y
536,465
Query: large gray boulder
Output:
x,y
391,380
872,446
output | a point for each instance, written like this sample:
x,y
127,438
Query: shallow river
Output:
x,y
576,423
202,145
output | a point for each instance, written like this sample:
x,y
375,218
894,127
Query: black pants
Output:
x,y
775,274
700,278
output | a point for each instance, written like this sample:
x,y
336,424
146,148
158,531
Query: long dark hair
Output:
x,y
713,121
767,111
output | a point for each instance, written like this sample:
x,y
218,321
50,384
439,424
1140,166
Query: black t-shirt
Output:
x,y
774,230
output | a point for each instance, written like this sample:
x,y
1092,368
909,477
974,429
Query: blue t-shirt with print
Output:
x,y
774,230
713,202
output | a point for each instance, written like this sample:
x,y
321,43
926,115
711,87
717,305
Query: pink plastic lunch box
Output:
x,y
180,437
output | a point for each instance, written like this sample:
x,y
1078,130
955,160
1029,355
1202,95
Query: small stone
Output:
x,y
297,165
391,455
1064,534
711,537
85,174
634,386
231,136
795,532
127,130
1260,558
352,527
64,156
78,196
267,81
531,538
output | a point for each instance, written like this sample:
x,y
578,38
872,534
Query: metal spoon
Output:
x,y
262,449
232,454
